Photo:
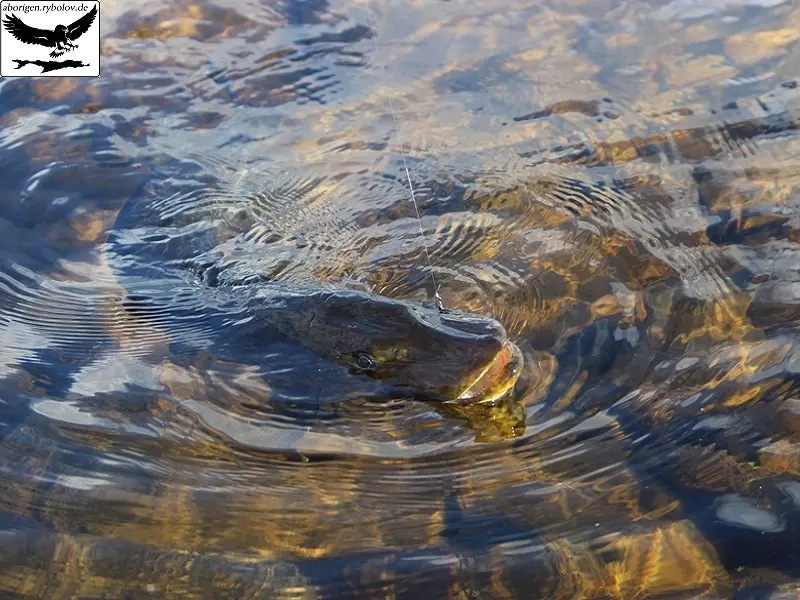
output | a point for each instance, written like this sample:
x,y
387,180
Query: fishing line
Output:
x,y
437,297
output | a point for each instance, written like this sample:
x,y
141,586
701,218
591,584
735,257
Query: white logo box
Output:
x,y
46,38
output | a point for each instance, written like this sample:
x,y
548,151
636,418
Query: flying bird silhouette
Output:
x,y
61,37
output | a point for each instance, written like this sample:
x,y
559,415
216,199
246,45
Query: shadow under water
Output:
x,y
222,374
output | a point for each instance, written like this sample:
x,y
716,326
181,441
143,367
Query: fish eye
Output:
x,y
365,361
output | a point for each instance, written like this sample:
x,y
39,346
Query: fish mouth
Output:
x,y
497,378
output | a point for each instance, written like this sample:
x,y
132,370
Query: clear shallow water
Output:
x,y
613,181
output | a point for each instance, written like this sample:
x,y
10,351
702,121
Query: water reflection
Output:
x,y
613,181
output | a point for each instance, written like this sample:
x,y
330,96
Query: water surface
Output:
x,y
614,181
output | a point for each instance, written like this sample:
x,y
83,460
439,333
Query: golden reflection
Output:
x,y
782,456
577,572
501,420
572,391
719,471
742,362
753,47
93,226
55,88
715,320
671,559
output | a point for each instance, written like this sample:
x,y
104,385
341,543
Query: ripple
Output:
x,y
626,212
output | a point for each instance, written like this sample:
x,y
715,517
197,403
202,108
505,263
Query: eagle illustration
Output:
x,y
61,37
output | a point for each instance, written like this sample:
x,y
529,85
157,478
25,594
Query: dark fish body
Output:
x,y
406,347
